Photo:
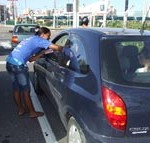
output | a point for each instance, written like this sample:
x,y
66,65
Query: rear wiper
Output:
x,y
143,24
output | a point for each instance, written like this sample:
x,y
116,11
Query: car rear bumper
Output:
x,y
95,138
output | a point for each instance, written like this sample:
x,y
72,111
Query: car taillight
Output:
x,y
14,39
114,108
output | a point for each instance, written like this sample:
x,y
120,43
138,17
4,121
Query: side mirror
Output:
x,y
10,31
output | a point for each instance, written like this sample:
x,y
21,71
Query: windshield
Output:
x,y
25,29
126,60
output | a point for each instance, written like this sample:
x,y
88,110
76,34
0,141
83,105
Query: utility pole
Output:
x,y
125,14
75,13
26,11
105,12
54,15
126,5
127,10
14,11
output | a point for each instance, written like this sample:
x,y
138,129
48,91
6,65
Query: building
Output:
x,y
3,13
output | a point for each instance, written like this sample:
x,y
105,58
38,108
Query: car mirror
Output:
x,y
10,31
84,69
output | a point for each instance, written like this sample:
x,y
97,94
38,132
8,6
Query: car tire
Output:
x,y
74,132
36,85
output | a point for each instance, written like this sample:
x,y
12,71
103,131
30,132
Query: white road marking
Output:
x,y
2,62
45,126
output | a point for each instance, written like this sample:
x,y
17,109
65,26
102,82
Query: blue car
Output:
x,y
99,84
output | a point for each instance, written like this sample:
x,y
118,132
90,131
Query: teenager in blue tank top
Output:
x,y
17,68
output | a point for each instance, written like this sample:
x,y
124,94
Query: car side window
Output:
x,y
62,40
56,56
19,29
73,55
29,29
78,49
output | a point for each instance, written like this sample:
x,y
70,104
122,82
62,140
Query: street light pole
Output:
x,y
105,13
25,11
75,13
25,5
126,5
126,16
14,11
54,15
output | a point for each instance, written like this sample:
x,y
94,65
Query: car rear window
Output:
x,y
25,29
127,60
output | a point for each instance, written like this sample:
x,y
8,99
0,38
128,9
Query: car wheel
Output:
x,y
74,132
36,85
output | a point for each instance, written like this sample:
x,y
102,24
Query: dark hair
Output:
x,y
42,30
84,20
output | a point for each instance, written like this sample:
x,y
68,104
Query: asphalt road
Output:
x,y
14,129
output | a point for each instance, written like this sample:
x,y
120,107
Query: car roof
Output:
x,y
112,31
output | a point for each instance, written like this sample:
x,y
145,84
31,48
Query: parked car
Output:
x,y
20,32
99,84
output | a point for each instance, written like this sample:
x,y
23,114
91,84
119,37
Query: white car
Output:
x,y
20,32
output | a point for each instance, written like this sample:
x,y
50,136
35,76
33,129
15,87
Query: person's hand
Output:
x,y
56,47
48,51
37,56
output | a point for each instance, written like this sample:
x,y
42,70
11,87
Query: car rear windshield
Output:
x,y
25,29
126,60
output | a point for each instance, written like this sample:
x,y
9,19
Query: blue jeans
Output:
x,y
20,76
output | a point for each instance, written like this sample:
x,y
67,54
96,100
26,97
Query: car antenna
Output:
x,y
142,27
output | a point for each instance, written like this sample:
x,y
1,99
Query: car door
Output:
x,y
40,71
53,76
72,77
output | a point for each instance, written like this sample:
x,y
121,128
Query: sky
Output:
x,y
49,4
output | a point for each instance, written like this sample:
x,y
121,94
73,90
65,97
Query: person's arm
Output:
x,y
52,48
37,56
56,47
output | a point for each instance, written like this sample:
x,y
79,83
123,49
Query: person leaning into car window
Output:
x,y
18,70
